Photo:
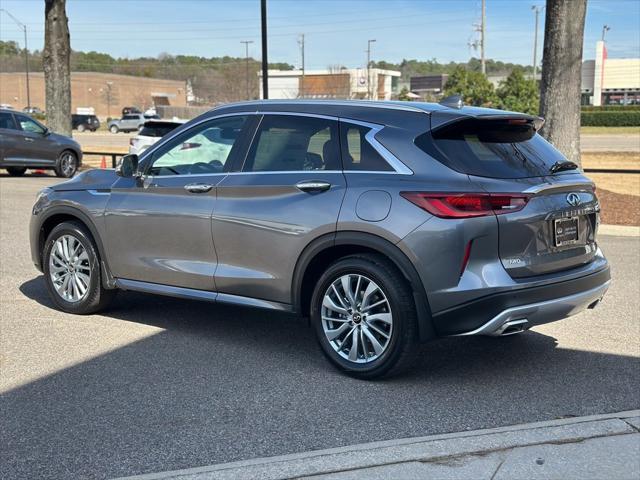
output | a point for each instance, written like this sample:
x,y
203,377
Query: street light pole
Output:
x,y
483,63
301,43
265,63
369,93
605,29
537,11
26,53
246,47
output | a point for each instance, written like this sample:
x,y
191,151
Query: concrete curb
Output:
x,y
619,230
422,449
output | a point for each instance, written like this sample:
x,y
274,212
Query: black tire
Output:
x,y
114,129
16,171
96,297
66,165
399,352
81,128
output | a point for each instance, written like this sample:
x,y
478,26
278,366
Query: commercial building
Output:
x,y
428,85
354,83
106,93
607,81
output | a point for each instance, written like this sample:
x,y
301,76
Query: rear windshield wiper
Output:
x,y
559,166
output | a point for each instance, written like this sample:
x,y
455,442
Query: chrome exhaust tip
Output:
x,y
511,327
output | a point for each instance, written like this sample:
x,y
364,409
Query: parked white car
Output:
x,y
151,132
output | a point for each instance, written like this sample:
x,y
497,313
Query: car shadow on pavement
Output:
x,y
220,383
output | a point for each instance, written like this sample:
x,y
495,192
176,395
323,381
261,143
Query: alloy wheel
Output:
x,y
68,164
69,268
357,318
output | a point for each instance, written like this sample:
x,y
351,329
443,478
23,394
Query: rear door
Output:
x,y
288,192
504,156
10,138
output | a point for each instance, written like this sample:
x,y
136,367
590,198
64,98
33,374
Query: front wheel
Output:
x,y
113,129
16,171
71,267
364,316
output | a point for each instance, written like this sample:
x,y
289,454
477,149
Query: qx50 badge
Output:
x,y
573,199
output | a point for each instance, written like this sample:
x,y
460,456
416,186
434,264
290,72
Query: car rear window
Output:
x,y
158,130
505,148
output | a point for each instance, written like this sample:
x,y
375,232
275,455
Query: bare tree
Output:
x,y
109,96
337,83
561,75
56,55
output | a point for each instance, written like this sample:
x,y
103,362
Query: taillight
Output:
x,y
465,205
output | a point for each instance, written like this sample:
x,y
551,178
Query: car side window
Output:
x,y
29,125
294,143
200,150
357,152
6,121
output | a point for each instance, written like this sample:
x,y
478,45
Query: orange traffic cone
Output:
x,y
103,163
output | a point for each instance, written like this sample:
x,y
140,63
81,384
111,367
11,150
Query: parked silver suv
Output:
x,y
384,223
128,123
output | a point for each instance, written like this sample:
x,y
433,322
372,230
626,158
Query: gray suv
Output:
x,y
128,123
385,224
26,143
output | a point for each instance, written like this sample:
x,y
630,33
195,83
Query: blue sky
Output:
x,y
336,31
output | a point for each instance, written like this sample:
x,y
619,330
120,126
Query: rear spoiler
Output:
x,y
515,118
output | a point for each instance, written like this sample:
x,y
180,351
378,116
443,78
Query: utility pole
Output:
x,y
301,43
483,66
265,63
536,9
26,52
246,48
369,93
605,29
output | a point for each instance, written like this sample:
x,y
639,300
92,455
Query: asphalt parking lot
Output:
x,y
157,384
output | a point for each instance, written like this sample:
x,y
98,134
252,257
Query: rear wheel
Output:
x,y
72,270
66,165
113,129
365,317
16,171
81,128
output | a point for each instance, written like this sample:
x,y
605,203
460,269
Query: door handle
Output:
x,y
27,139
313,186
198,187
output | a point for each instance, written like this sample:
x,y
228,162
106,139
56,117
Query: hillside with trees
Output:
x,y
216,79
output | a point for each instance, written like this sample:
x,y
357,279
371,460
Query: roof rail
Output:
x,y
452,101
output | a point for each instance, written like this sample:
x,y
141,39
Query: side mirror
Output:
x,y
127,166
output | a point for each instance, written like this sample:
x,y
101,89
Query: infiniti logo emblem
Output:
x,y
573,199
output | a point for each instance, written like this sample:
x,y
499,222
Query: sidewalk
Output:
x,y
596,447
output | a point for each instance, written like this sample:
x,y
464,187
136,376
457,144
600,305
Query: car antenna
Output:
x,y
452,101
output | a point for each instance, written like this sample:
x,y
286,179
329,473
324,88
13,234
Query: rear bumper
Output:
x,y
512,311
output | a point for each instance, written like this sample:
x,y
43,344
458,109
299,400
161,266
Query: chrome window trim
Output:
x,y
399,168
389,157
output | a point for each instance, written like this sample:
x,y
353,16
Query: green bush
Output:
x,y
611,108
608,118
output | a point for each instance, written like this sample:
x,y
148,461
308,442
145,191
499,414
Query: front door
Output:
x,y
159,227
36,145
288,192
